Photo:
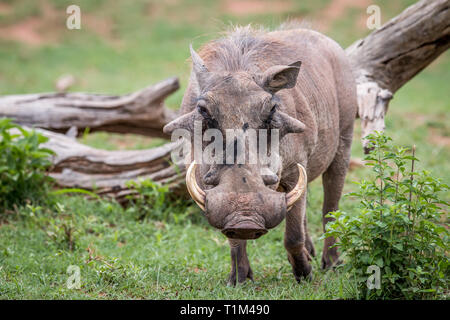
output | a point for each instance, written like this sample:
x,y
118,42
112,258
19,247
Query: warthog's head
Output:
x,y
240,198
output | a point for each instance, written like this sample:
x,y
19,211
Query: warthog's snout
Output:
x,y
245,215
244,227
242,206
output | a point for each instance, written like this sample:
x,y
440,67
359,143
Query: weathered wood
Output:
x,y
390,56
107,172
142,112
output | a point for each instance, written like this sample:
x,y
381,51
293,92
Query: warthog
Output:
x,y
299,82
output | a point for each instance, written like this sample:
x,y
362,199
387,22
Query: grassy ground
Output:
x,y
123,47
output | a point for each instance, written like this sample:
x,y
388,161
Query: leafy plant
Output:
x,y
400,227
62,228
150,202
59,226
23,163
153,202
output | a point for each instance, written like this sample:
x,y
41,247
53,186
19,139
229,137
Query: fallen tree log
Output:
x,y
382,62
76,165
390,56
142,112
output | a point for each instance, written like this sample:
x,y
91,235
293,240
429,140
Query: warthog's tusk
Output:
x,y
194,190
299,188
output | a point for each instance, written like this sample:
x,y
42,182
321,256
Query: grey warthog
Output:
x,y
299,82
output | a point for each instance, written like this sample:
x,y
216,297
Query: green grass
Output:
x,y
151,260
168,260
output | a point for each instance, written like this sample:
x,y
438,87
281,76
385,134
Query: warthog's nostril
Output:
x,y
244,231
230,234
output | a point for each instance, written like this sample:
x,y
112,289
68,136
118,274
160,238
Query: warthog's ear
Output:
x,y
184,122
200,70
279,77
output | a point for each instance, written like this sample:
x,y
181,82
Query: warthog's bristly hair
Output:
x,y
240,49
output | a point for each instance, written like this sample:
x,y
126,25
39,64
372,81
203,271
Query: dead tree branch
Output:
x,y
107,172
390,56
142,112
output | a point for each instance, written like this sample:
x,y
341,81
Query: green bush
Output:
x,y
401,228
23,165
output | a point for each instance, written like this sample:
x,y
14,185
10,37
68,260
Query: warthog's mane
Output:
x,y
245,48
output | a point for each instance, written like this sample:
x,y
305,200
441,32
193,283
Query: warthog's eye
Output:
x,y
268,122
210,122
201,107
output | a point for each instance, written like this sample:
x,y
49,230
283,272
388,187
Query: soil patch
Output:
x,y
50,26
337,9
249,7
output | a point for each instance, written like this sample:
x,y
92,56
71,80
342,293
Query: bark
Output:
x,y
107,172
390,56
142,112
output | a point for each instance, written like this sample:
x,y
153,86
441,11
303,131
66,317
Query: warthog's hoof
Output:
x,y
242,275
301,266
303,273
330,259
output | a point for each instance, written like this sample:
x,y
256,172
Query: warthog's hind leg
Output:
x,y
240,266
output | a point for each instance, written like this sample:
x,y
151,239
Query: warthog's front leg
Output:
x,y
240,266
297,242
